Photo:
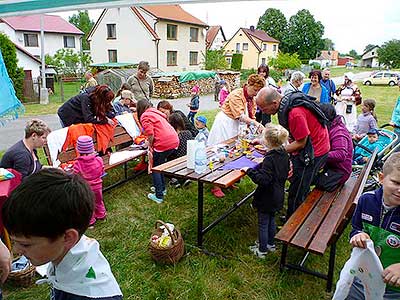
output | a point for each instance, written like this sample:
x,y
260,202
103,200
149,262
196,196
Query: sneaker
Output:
x,y
217,192
140,167
153,190
187,182
154,198
255,246
271,248
258,253
175,183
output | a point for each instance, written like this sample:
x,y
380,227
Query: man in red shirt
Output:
x,y
308,133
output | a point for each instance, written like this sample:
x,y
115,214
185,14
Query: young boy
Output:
x,y
201,125
194,103
46,217
123,106
377,217
361,155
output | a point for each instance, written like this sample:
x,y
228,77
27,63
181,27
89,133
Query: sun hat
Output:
x,y
202,119
373,131
350,76
85,144
127,95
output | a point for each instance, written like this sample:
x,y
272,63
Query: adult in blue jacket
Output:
x,y
315,89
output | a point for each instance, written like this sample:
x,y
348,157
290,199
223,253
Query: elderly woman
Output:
x,y
240,105
92,106
315,89
142,85
22,156
348,96
296,80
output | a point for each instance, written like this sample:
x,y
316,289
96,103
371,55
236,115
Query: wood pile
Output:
x,y
170,87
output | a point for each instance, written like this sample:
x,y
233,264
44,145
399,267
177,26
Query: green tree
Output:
x,y
304,35
274,23
353,53
328,44
215,59
16,73
388,54
369,47
285,61
237,59
68,62
83,22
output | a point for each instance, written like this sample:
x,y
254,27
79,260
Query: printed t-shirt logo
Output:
x,y
393,241
366,217
395,226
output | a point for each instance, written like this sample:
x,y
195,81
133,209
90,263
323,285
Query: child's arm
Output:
x,y
391,274
262,175
358,237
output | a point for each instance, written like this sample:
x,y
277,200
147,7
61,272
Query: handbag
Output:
x,y
349,108
328,180
306,155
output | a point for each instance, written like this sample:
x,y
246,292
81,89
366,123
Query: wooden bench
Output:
x,y
319,222
121,137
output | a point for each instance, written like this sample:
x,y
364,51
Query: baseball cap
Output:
x,y
126,94
373,131
202,119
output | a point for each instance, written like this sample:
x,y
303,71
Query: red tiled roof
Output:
x,y
173,13
145,23
260,34
32,23
211,34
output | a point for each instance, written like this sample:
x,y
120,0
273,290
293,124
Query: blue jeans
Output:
x,y
191,116
357,292
266,230
158,179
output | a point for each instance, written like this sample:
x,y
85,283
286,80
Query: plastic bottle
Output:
x,y
200,159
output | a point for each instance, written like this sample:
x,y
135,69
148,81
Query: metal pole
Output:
x,y
200,195
44,95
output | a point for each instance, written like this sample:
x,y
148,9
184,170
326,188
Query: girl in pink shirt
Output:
x,y
162,141
91,168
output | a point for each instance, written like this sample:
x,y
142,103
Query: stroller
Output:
x,y
390,140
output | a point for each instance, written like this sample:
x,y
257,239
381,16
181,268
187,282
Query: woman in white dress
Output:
x,y
347,97
240,105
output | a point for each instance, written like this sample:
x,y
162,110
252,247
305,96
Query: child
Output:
x,y
194,103
395,120
91,168
366,120
201,125
223,93
361,155
46,217
270,176
377,217
123,106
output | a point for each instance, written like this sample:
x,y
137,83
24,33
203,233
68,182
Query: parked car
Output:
x,y
382,77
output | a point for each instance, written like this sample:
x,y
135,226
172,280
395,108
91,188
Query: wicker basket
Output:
x,y
24,277
171,254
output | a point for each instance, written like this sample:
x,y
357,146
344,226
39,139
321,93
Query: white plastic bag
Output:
x,y
365,264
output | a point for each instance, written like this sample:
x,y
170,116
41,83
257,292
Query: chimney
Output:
x,y
251,28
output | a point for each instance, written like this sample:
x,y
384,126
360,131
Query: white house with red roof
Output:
x,y
166,36
255,45
24,31
215,38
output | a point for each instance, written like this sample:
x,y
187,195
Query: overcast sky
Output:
x,y
350,24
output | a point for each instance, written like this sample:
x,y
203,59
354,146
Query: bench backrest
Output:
x,y
120,137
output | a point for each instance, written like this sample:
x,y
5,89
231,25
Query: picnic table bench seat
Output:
x,y
121,137
319,222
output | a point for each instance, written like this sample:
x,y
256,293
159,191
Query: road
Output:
x,y
14,130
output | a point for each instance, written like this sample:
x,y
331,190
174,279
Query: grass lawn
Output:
x,y
232,273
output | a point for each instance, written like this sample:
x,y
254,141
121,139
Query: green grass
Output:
x,y
232,274
339,71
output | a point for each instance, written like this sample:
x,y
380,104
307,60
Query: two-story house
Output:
x,y
327,58
24,31
370,58
215,38
255,45
166,36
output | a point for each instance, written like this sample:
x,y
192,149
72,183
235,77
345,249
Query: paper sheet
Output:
x,y
119,156
128,122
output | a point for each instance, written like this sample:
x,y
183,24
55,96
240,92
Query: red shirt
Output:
x,y
303,123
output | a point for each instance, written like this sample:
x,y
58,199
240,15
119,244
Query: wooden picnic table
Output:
x,y
222,178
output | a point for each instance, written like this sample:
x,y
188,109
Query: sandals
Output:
x,y
217,192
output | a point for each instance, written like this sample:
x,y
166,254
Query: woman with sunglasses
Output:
x,y
92,106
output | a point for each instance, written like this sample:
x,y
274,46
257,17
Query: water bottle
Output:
x,y
200,159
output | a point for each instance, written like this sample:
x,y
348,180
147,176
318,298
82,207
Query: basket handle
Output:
x,y
165,226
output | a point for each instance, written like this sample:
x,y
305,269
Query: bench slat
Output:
x,y
321,239
306,232
298,217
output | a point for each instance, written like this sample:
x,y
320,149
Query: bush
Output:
x,y
244,74
285,61
276,74
237,59
215,59
316,66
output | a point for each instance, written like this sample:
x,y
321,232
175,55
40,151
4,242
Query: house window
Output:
x,y
172,57
31,40
264,47
112,56
69,41
228,60
111,32
245,46
263,61
237,47
274,48
172,32
193,56
372,53
194,34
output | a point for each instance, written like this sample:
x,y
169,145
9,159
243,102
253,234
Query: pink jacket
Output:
x,y
90,167
223,93
155,123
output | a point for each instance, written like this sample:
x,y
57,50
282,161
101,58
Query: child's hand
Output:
x,y
360,240
391,275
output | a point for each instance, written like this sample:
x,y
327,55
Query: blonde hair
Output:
x,y
391,164
275,136
36,126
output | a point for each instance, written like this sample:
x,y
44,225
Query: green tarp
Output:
x,y
190,75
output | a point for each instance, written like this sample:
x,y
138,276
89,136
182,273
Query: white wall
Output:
x,y
218,42
182,45
27,63
133,41
7,30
